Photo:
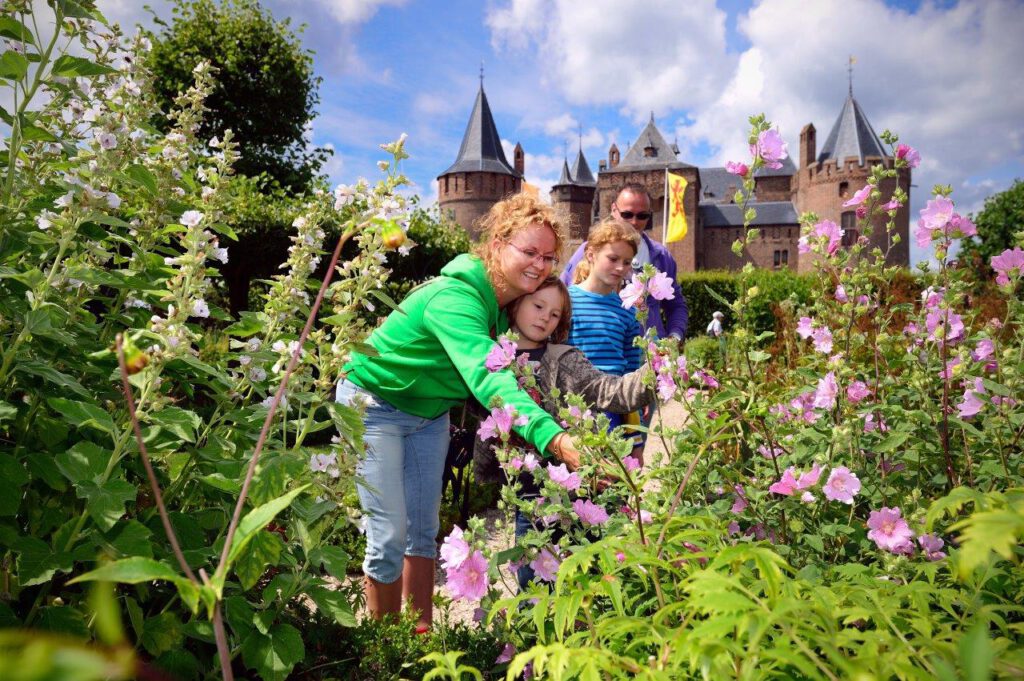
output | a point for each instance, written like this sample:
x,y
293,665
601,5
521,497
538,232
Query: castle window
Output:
x,y
850,237
780,258
848,221
844,188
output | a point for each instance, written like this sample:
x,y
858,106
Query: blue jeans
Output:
x,y
400,483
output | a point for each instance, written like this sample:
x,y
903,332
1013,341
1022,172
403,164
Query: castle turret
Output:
x,y
573,197
480,176
842,168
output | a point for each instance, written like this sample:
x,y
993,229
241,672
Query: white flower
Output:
x,y
245,360
107,140
383,165
45,220
208,192
178,191
191,218
135,302
344,195
200,309
113,200
65,201
257,374
278,346
215,142
254,344
299,222
221,254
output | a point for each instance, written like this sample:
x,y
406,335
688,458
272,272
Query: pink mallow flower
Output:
x,y
822,339
860,197
805,327
660,287
631,463
501,355
590,513
825,395
942,323
500,422
932,545
972,402
825,228
545,566
560,475
842,485
786,485
632,292
841,296
909,154
890,532
810,478
455,549
857,391
507,653
666,386
469,579
734,168
983,350
1008,264
771,148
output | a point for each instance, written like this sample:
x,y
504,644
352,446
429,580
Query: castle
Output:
x,y
824,180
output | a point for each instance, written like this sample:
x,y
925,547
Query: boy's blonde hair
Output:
x,y
609,231
507,218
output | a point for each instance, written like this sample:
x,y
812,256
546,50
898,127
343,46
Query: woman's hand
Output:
x,y
563,449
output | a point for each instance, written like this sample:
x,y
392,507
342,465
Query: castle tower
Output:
x,y
480,176
842,168
573,197
646,163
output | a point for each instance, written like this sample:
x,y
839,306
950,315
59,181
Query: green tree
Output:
x,y
266,89
998,221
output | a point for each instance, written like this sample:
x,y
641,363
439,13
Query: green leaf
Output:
x,y
180,422
134,570
105,502
32,133
51,375
976,654
333,603
84,461
105,219
13,477
275,654
132,538
333,558
891,442
15,30
13,66
63,620
349,423
141,176
258,518
757,356
162,633
37,562
263,552
250,324
70,67
7,411
82,414
997,530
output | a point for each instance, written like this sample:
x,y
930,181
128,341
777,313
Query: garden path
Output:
x,y
500,531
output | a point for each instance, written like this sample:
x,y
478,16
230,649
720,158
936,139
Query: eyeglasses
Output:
x,y
629,215
534,255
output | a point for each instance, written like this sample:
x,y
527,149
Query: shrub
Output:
x,y
701,303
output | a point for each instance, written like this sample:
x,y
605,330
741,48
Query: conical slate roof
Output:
x,y
852,135
581,174
664,156
565,178
481,146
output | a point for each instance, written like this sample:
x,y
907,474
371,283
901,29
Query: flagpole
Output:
x,y
664,212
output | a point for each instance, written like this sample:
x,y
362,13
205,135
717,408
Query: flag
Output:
x,y
676,216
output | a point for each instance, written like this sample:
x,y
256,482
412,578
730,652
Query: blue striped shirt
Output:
x,y
604,331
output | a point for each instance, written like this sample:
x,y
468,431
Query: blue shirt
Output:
x,y
604,331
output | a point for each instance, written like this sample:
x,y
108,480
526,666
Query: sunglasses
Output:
x,y
629,215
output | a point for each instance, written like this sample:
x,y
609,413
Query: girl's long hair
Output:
x,y
608,231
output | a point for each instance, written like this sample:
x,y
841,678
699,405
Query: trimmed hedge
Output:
x,y
774,285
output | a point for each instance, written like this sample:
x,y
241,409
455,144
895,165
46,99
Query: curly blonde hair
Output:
x,y
507,218
609,231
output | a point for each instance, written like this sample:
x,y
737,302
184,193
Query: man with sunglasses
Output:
x,y
666,317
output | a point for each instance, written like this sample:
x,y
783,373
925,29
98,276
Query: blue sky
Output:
x,y
946,76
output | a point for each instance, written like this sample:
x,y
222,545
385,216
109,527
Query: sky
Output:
x,y
945,76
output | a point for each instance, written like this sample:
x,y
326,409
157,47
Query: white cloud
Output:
x,y
560,126
655,54
355,11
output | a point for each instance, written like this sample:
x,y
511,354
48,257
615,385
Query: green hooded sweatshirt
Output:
x,y
432,357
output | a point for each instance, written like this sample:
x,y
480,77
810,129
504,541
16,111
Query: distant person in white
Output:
x,y
715,327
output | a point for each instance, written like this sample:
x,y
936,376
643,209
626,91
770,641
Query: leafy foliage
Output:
x,y
998,222
266,93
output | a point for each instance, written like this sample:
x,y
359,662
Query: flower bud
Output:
x,y
392,236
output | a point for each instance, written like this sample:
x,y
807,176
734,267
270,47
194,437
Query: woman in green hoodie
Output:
x,y
430,357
